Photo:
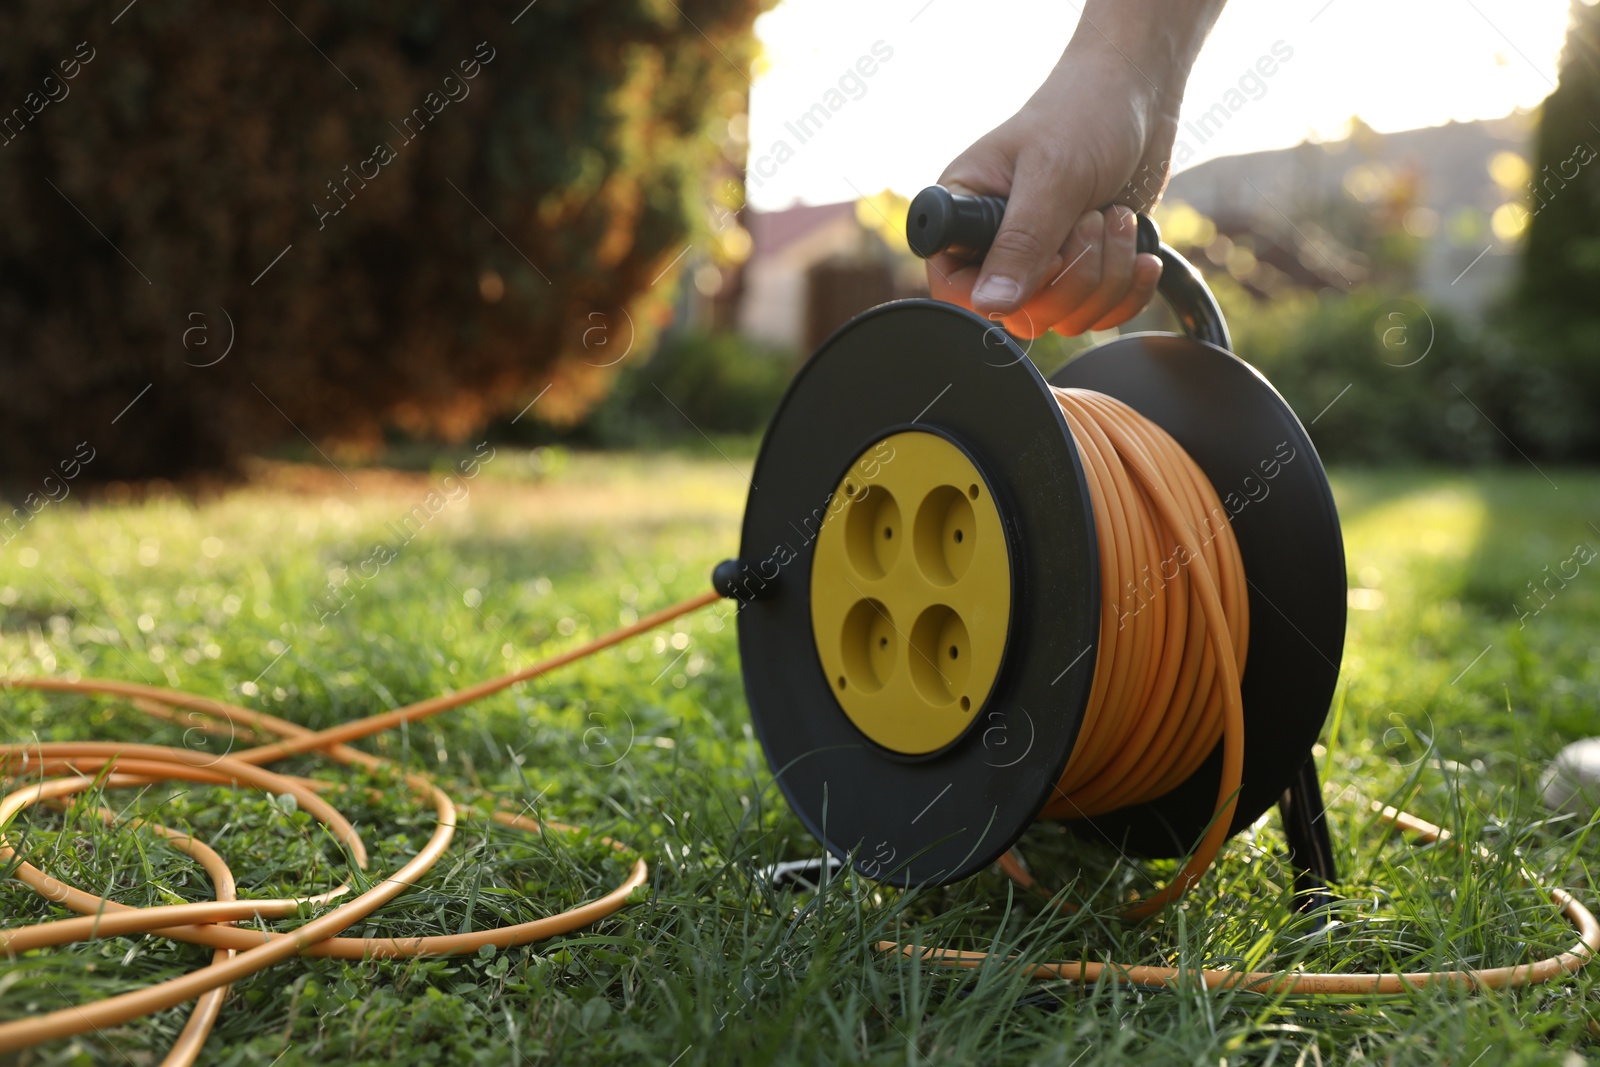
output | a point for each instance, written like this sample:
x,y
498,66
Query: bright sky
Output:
x,y
958,67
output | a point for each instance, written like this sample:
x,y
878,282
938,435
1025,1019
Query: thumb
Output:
x,y
1040,212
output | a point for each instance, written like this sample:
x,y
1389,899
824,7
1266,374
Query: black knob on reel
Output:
x,y
965,226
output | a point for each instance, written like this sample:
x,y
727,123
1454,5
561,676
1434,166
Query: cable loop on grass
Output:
x,y
68,768
1280,982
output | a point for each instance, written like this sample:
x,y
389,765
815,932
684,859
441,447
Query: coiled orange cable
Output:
x,y
67,768
1166,678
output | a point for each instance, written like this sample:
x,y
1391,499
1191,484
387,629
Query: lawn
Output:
x,y
1454,690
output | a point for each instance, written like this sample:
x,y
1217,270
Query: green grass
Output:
x,y
650,743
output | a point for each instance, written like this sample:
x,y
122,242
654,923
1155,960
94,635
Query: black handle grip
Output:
x,y
965,226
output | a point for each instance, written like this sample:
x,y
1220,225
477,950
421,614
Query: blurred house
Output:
x,y
812,267
1453,197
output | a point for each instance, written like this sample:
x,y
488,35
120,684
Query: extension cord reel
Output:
x,y
920,581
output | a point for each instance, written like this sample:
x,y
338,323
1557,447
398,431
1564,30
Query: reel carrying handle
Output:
x,y
965,226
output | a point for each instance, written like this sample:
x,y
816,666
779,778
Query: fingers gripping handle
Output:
x,y
965,226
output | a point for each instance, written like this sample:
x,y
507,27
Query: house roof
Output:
x,y
772,231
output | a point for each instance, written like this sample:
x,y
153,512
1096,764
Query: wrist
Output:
x,y
1144,47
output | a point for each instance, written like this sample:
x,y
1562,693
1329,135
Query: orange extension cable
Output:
x,y
1166,689
67,768
1166,679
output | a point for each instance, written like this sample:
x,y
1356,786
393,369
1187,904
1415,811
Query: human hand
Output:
x,y
1098,132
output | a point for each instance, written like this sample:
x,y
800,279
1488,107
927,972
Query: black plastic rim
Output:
x,y
1238,428
929,821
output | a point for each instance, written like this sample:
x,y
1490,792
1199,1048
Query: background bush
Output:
x,y
1413,371
198,138
695,383
1387,379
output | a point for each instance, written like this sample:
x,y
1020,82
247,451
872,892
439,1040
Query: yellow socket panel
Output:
x,y
911,593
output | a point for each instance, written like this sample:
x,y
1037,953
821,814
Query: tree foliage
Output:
x,y
408,214
1556,316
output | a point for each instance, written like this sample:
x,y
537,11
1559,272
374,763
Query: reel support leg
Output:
x,y
1305,824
